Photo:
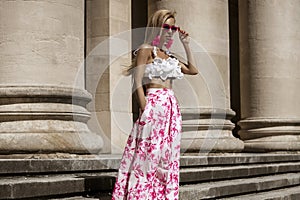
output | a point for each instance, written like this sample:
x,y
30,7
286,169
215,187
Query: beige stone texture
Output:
x,y
42,91
108,50
39,39
270,76
207,25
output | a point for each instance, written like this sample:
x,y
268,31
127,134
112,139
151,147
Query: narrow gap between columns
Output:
x,y
234,63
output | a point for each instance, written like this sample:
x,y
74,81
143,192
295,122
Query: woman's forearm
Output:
x,y
141,97
191,61
139,86
142,57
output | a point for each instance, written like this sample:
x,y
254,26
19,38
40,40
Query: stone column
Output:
x,y
204,99
42,95
108,51
270,75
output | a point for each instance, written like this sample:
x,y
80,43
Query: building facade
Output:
x,y
62,90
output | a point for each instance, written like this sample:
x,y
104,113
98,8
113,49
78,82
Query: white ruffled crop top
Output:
x,y
163,68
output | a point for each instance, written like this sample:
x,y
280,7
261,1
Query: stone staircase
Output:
x,y
213,176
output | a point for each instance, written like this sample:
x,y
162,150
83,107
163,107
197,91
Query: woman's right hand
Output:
x,y
184,37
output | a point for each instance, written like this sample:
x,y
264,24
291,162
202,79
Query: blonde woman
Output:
x,y
149,167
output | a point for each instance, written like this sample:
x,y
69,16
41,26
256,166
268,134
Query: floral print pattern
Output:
x,y
149,168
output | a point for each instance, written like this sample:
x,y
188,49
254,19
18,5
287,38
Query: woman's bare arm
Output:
x,y
141,61
189,68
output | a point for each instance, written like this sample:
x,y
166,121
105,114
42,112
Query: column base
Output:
x,y
208,130
45,119
47,136
270,134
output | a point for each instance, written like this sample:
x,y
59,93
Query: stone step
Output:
x,y
52,185
218,189
292,193
102,184
87,197
25,177
76,198
36,164
221,159
285,193
199,174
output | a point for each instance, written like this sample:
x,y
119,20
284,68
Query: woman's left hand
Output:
x,y
184,36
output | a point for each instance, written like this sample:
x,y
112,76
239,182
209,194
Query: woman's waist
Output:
x,y
158,89
163,77
165,84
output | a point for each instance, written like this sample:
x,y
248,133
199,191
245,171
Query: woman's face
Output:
x,y
168,31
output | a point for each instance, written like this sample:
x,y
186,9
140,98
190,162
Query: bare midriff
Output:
x,y
157,83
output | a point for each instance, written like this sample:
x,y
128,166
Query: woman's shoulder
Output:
x,y
145,45
144,49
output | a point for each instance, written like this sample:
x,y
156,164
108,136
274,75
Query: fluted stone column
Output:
x,y
270,75
42,95
204,99
108,51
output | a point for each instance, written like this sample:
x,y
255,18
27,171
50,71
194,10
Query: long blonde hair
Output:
x,y
153,29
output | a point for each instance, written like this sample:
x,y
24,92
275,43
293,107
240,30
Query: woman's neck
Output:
x,y
161,44
166,51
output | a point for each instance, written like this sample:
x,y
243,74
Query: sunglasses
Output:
x,y
168,27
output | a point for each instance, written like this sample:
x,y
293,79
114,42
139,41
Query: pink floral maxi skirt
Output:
x,y
149,168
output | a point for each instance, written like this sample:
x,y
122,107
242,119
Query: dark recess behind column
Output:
x,y
84,42
234,62
139,18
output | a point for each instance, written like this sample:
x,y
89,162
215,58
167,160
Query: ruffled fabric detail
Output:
x,y
164,68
